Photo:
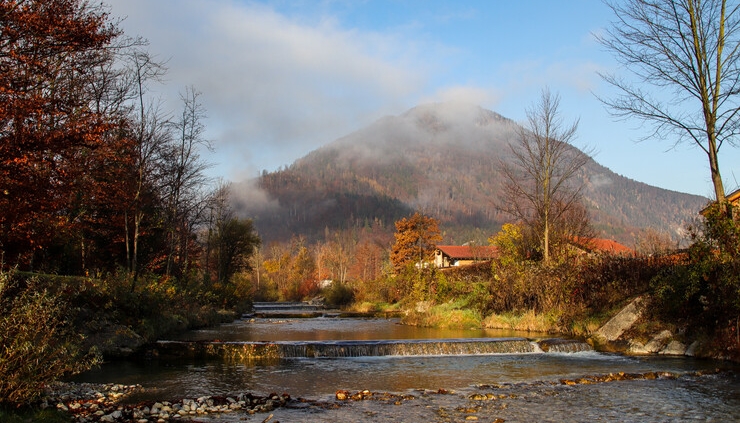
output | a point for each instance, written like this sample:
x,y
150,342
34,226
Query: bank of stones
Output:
x,y
103,403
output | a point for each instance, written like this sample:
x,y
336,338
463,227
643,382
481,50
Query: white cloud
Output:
x,y
273,86
465,95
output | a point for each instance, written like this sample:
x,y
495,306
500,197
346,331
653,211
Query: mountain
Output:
x,y
440,159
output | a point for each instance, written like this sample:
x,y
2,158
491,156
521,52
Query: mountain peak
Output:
x,y
441,159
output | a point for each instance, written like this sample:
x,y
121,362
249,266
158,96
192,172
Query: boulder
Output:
x,y
617,325
691,350
636,347
658,342
674,348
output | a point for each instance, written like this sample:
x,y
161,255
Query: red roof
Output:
x,y
461,252
603,245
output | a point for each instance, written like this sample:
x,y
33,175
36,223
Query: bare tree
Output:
x,y
149,131
184,178
689,52
539,179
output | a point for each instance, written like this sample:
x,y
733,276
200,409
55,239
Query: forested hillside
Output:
x,y
441,159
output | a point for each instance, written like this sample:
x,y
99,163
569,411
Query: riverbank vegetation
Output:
x,y
111,234
694,290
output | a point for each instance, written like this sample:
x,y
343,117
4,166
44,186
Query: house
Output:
x,y
733,198
462,255
602,245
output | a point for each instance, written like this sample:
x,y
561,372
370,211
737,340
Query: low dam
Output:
x,y
245,351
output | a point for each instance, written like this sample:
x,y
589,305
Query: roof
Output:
x,y
733,196
461,252
603,245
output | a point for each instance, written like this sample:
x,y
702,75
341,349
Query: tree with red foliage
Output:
x,y
48,52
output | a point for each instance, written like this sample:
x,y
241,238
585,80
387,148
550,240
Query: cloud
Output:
x,y
465,95
274,87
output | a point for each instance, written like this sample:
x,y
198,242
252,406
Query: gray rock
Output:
x,y
674,348
636,347
615,327
691,351
658,342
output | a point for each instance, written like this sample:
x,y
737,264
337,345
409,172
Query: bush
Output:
x,y
37,341
339,295
704,290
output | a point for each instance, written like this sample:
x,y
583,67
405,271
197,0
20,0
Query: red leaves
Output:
x,y
47,51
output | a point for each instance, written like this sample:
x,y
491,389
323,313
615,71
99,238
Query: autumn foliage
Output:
x,y
49,131
416,238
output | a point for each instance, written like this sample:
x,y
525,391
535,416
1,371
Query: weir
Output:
x,y
284,306
246,351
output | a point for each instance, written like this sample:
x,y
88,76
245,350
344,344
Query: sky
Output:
x,y
280,78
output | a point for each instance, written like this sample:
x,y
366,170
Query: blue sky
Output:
x,y
281,78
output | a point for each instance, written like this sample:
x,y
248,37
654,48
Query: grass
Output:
x,y
374,307
448,315
528,321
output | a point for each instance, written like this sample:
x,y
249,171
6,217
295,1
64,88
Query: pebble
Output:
x,y
102,403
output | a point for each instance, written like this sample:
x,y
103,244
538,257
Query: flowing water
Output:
x,y
442,375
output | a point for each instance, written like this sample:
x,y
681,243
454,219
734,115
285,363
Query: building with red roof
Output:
x,y
462,255
602,245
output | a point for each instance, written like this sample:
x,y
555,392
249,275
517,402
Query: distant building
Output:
x,y
601,245
462,255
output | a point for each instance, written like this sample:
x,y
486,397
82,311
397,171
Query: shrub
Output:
x,y
706,287
37,342
339,295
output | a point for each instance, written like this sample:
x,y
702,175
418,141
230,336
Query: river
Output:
x,y
465,386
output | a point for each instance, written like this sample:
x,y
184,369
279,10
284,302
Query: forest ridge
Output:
x,y
440,159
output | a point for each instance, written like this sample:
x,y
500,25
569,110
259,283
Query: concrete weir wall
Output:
x,y
247,351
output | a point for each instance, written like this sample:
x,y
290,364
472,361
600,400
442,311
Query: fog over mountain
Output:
x,y
440,159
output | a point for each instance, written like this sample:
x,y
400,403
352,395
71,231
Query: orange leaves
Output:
x,y
416,238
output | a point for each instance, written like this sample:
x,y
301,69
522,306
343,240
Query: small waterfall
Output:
x,y
250,351
559,345
285,306
405,347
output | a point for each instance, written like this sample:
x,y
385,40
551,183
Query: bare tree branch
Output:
x,y
689,52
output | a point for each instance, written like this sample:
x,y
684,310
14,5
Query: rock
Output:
x,y
658,342
674,348
617,325
691,351
636,347
114,340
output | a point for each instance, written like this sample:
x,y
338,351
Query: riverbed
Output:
x,y
530,386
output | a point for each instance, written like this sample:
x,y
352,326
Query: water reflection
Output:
x,y
322,377
325,329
